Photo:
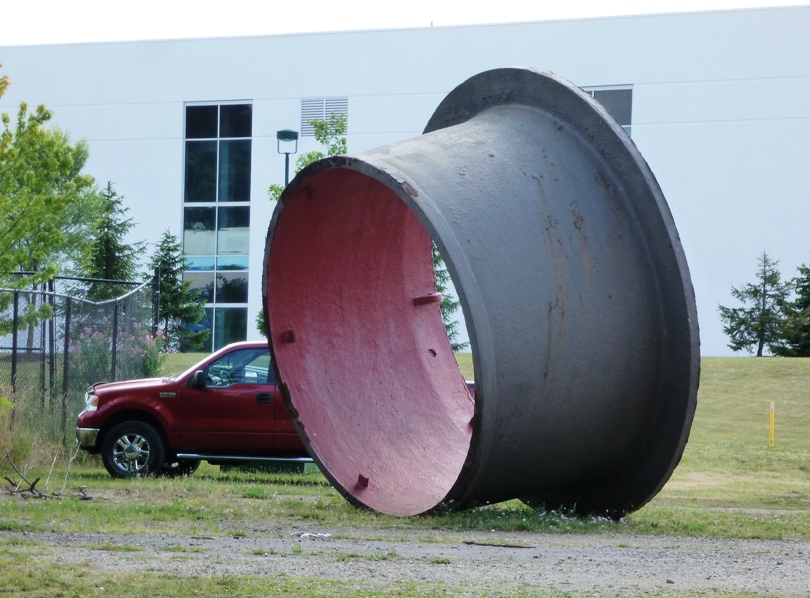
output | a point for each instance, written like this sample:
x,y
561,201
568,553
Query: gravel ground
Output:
x,y
617,565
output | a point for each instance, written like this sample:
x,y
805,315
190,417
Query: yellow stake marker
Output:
x,y
770,438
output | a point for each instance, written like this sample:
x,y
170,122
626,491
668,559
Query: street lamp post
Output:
x,y
287,136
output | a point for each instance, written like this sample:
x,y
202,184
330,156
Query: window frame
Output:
x,y
214,308
591,90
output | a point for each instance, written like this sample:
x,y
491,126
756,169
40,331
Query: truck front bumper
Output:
x,y
86,437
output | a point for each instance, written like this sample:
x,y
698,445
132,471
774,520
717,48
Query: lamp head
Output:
x,y
287,136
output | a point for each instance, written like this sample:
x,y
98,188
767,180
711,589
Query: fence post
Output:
x,y
14,338
114,357
65,370
52,345
42,328
156,301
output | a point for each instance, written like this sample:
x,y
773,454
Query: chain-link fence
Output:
x,y
53,345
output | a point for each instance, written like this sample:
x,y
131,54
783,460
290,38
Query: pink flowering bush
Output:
x,y
138,353
90,355
147,349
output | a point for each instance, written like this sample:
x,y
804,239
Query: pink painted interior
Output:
x,y
371,375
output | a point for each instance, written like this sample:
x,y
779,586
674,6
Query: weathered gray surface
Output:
x,y
576,294
605,565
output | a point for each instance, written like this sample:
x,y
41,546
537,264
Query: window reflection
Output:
x,y
201,171
236,120
203,282
234,230
233,262
234,170
230,325
232,288
199,263
198,231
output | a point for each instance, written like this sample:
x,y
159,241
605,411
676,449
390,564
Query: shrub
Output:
x,y
146,349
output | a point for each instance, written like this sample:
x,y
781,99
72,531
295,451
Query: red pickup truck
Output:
x,y
226,409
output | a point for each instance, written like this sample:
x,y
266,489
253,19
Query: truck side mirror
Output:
x,y
198,380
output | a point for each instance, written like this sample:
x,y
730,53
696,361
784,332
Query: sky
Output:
x,y
61,21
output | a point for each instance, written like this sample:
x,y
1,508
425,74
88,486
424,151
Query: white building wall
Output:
x,y
720,112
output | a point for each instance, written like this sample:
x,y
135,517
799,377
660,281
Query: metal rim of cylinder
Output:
x,y
574,287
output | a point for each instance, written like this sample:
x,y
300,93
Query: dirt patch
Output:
x,y
472,562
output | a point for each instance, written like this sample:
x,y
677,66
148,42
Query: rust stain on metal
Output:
x,y
408,188
578,219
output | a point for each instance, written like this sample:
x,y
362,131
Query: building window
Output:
x,y
321,109
216,214
618,101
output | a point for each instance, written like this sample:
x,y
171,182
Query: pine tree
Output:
x,y
796,324
180,307
449,304
758,324
110,258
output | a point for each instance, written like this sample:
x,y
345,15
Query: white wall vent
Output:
x,y
321,109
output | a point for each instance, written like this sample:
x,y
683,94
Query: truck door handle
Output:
x,y
264,397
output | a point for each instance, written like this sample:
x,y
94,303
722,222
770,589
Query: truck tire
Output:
x,y
132,449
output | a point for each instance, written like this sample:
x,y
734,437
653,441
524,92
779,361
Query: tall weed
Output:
x,y
31,432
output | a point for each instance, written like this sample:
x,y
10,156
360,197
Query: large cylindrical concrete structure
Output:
x,y
574,287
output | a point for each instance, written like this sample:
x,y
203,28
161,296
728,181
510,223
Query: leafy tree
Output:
x,y
4,83
758,324
181,309
44,200
796,323
110,258
329,133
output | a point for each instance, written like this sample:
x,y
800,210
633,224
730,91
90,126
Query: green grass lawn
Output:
x,y
729,476
177,363
734,398
465,364
730,483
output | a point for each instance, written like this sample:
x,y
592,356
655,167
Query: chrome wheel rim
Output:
x,y
131,453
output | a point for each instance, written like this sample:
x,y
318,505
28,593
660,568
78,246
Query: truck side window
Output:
x,y
243,366
259,370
